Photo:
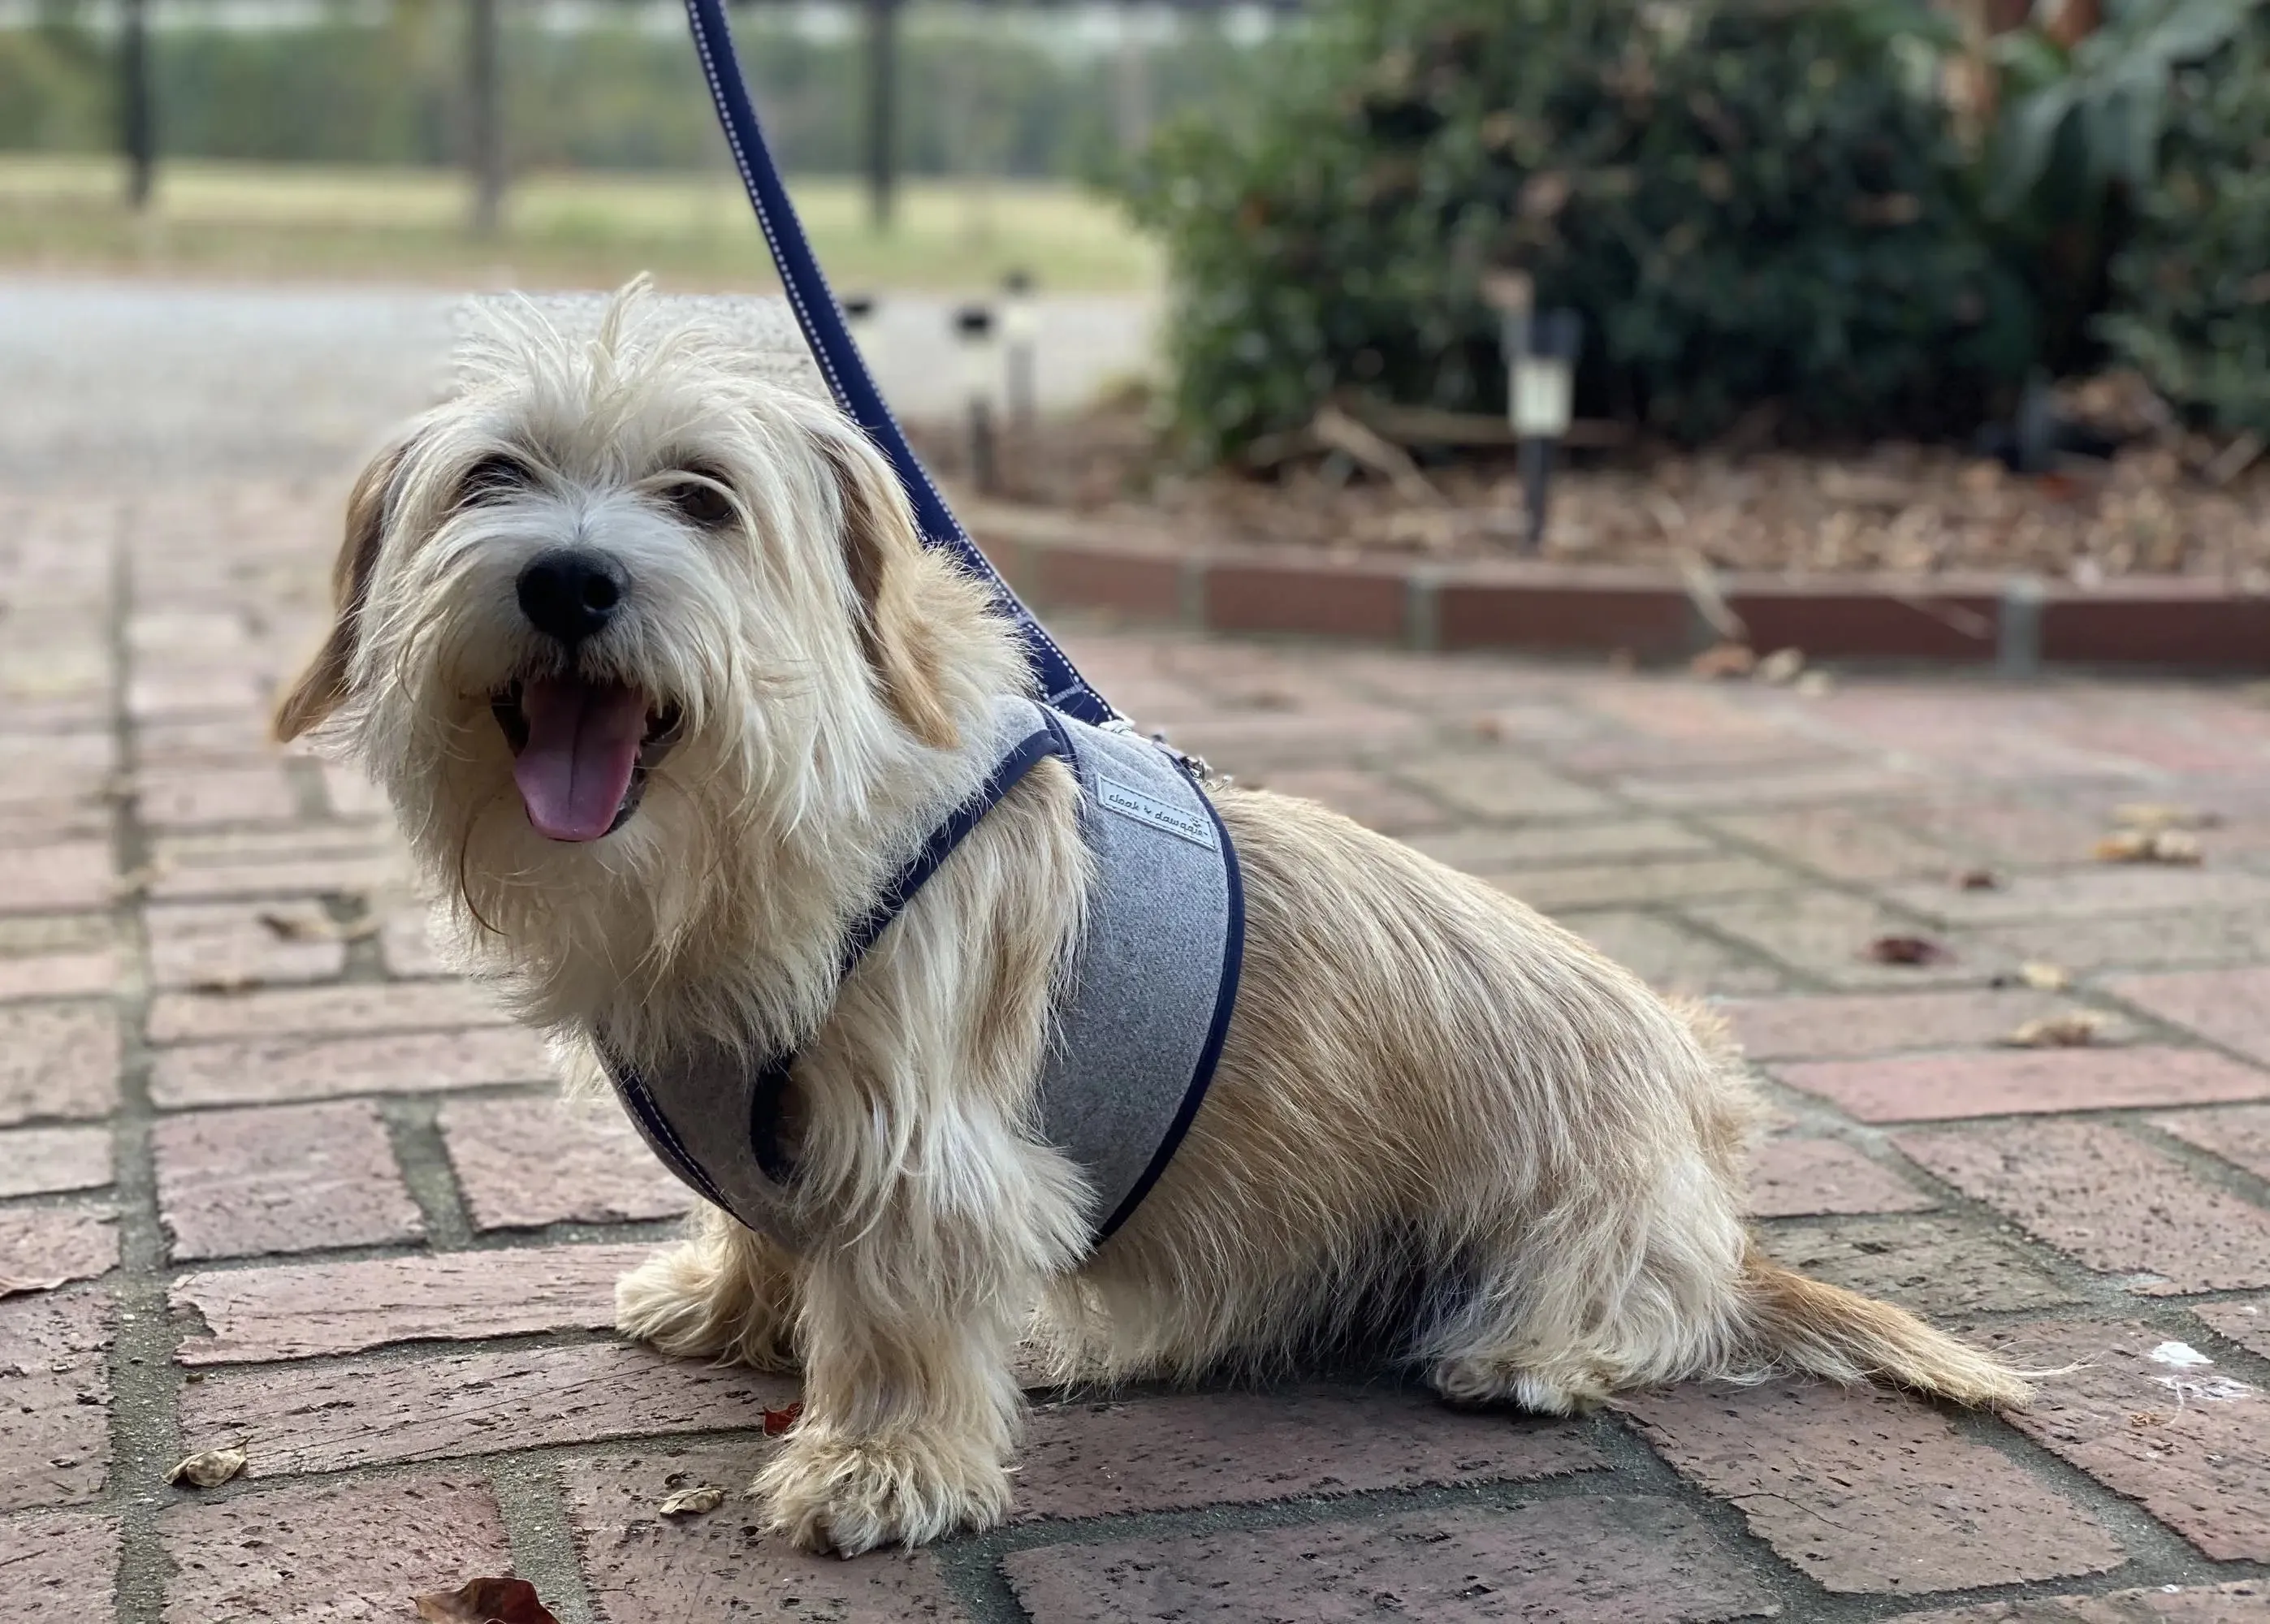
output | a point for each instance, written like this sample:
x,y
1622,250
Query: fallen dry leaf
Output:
x,y
1906,949
693,1502
484,1601
1978,880
11,1283
1724,660
2045,977
317,928
1781,667
136,882
778,1421
2171,846
225,980
208,1469
2075,1028
2162,815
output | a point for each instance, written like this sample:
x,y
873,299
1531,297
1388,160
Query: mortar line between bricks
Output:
x,y
144,1383
414,1137
642,1231
535,1522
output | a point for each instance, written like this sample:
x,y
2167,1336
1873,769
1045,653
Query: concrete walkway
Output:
x,y
161,379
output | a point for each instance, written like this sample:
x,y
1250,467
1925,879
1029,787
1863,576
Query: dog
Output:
x,y
648,658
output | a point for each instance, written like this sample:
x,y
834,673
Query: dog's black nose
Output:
x,y
569,593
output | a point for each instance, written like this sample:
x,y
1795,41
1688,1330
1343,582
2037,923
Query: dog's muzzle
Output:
x,y
582,750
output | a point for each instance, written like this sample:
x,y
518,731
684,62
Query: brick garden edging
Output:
x,y
2016,623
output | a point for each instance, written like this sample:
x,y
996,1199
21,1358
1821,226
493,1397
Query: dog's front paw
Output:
x,y
852,1494
690,1302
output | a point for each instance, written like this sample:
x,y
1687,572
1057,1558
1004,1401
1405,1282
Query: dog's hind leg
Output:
x,y
725,1292
1590,1297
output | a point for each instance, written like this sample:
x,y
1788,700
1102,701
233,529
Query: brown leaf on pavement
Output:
x,y
2171,846
316,928
693,1502
2044,977
484,1601
778,1421
2068,1029
208,1468
1906,949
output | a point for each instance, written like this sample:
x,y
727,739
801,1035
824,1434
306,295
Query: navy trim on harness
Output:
x,y
772,1082
1224,1001
818,314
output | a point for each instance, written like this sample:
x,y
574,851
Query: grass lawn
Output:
x,y
695,233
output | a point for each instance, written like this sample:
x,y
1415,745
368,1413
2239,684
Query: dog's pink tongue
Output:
x,y
582,743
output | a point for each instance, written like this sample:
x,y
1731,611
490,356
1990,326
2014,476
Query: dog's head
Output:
x,y
621,604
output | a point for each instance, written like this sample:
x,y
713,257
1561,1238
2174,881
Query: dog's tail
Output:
x,y
1799,1324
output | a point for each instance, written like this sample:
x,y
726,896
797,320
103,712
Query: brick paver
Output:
x,y
328,1417
58,1566
292,1178
277,1070
55,1422
2161,1422
351,1233
643,1568
1639,1560
529,1162
1915,1087
38,1160
53,1245
297,1311
1800,1177
2108,1201
1091,1458
57,1061
1868,1492
353,1552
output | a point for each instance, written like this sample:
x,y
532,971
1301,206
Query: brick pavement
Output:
x,y
270,1180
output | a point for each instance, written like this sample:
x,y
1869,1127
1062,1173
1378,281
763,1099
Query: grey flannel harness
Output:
x,y
1138,1030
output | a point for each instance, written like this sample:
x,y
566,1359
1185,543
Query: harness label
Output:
x,y
1195,827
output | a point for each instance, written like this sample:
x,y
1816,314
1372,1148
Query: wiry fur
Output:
x,y
1429,1096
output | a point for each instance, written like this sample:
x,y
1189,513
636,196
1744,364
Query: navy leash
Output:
x,y
821,319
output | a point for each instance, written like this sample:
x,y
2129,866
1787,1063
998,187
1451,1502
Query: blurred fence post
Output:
x,y
484,113
138,120
882,109
1131,83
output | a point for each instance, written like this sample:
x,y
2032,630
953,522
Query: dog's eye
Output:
x,y
492,479
701,502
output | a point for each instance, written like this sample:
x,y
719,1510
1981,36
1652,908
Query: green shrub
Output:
x,y
1749,203
2192,286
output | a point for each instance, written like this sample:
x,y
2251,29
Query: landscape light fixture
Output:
x,y
1021,333
972,328
1541,397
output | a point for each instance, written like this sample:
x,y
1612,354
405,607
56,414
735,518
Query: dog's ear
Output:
x,y
885,557
324,684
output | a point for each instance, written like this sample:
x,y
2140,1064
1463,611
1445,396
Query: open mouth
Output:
x,y
581,751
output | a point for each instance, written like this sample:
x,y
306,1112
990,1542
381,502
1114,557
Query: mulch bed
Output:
x,y
2170,502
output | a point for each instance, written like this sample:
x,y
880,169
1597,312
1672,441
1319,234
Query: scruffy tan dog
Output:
x,y
658,783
